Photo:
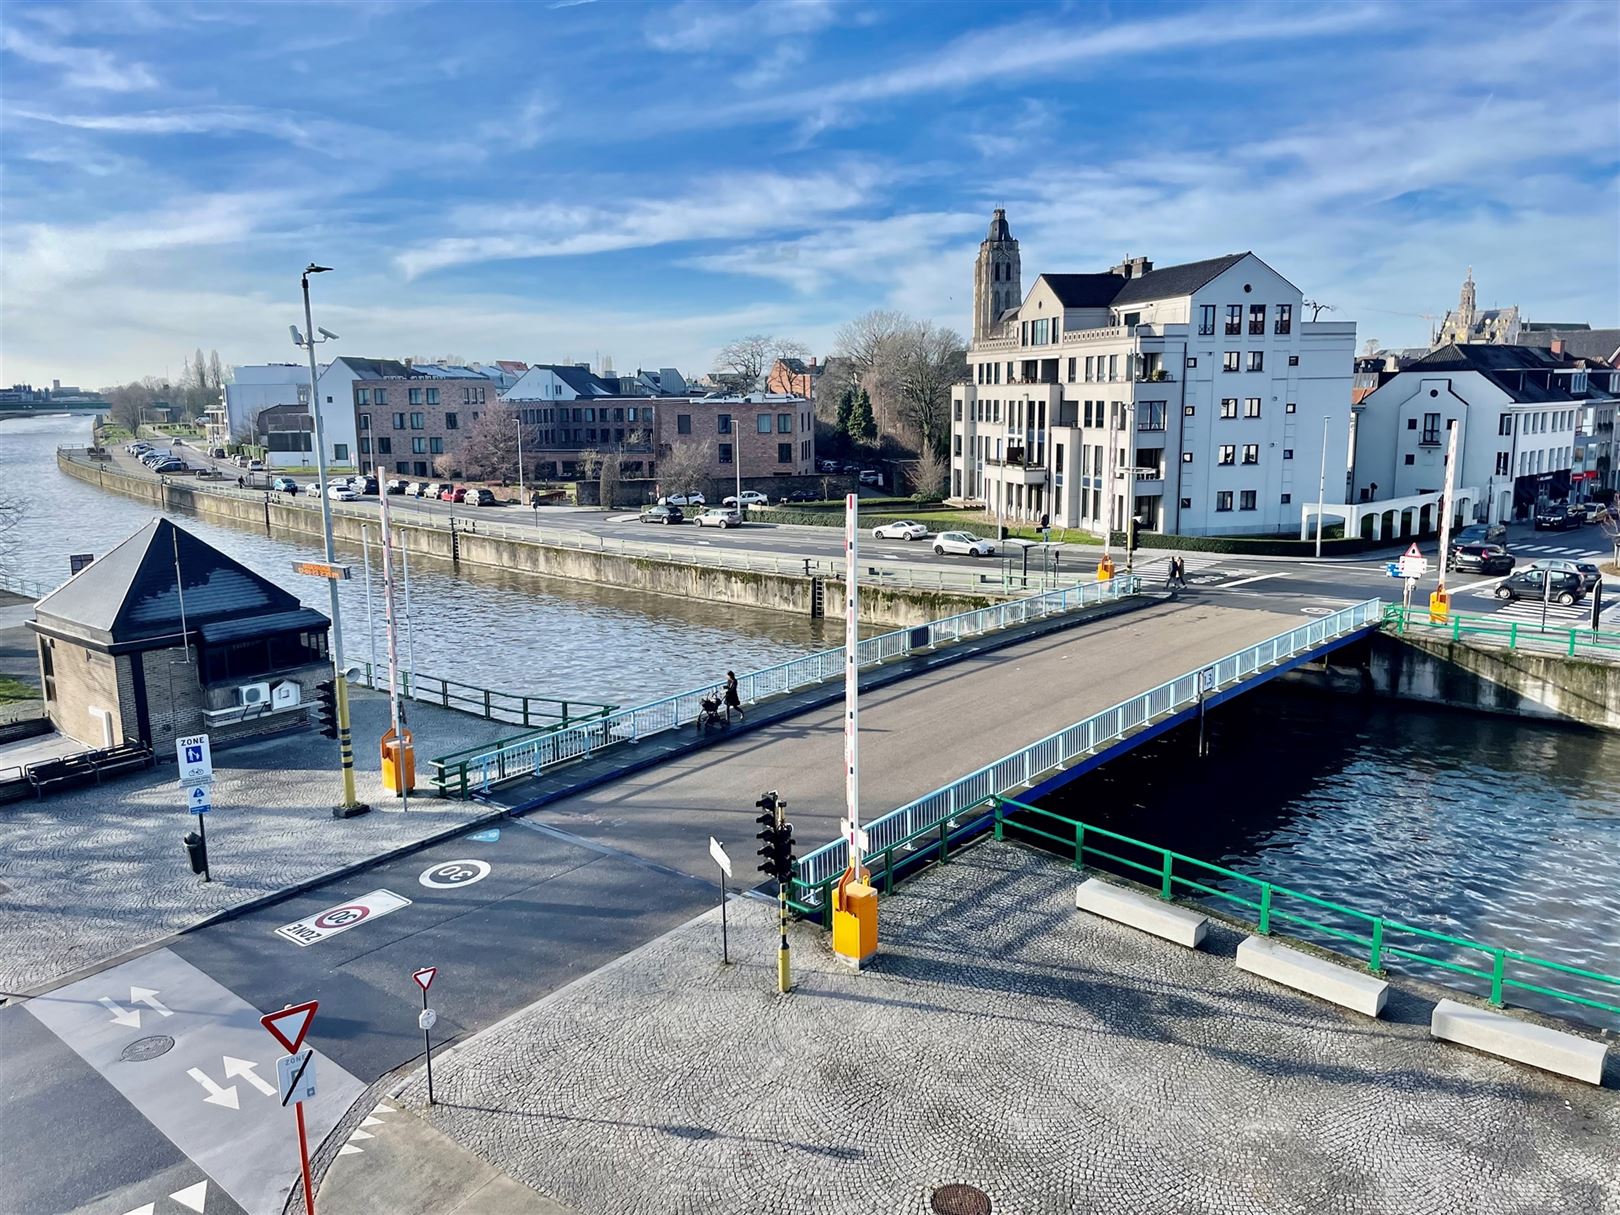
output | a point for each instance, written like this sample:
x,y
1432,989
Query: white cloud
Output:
x,y
317,134
710,25
524,128
85,67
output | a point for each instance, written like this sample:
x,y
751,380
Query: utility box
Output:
x,y
1439,607
855,923
398,762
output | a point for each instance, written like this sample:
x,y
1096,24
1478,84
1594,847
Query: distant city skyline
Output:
x,y
646,182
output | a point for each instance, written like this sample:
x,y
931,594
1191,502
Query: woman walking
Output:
x,y
733,700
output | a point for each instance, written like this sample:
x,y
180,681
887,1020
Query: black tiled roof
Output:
x,y
1172,281
1525,373
1084,290
378,369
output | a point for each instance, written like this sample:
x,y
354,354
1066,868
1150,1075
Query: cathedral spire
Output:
x,y
997,278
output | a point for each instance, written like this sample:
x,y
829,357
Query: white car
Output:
x,y
748,497
721,517
905,529
340,492
692,499
963,544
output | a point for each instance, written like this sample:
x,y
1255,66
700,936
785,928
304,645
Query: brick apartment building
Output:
x,y
406,417
770,434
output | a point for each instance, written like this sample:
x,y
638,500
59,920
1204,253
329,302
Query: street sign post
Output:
x,y
288,1027
199,800
724,861
1206,685
196,760
425,1022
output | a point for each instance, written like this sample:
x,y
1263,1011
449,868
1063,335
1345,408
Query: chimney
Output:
x,y
812,360
1557,348
1140,266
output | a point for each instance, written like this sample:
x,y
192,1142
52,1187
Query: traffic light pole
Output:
x,y
777,861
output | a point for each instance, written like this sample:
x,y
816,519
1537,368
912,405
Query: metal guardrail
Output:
x,y
1377,940
511,707
26,587
520,757
929,814
1570,641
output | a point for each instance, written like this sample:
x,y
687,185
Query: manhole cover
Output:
x,y
142,1049
960,1200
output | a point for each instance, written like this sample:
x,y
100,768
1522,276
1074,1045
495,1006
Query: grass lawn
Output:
x,y
111,433
15,689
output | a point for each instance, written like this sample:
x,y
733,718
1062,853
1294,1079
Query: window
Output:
x,y
1186,457
340,452
1257,320
1410,458
419,467
1090,367
1150,415
1113,367
436,445
416,396
365,421
1257,360
1287,498
365,447
452,422
1251,407
1431,429
1501,463
378,397
433,396
418,446
362,396
1227,454
399,421
1293,360
1229,361
1289,408
784,453
1285,318
1288,453
956,445
1191,361
683,423
1223,500
1188,411
402,466
762,424
1206,319
1234,320
416,421
385,447
725,452
1228,407
1246,499
784,423
1071,371
1251,453
723,423
1504,425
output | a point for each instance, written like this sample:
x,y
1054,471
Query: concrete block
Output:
x,y
1142,911
1551,1050
1353,989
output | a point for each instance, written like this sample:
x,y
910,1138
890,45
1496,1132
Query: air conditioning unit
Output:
x,y
253,695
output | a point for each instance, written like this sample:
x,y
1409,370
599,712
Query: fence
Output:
x,y
527,755
1571,641
28,588
511,707
938,813
1375,939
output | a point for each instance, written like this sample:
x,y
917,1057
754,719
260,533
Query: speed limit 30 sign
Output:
x,y
448,875
342,917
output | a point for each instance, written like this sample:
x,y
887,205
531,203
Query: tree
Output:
x,y
748,358
846,406
928,477
687,465
927,360
488,449
862,426
608,475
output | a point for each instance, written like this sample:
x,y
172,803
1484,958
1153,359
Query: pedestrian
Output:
x,y
241,483
733,700
1181,572
1169,573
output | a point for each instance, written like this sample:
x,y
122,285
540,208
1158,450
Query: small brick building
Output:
x,y
165,636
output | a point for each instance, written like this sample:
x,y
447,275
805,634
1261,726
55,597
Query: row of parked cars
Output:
x,y
158,459
866,476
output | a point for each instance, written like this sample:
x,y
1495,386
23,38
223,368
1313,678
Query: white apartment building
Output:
x,y
253,388
1193,396
1525,412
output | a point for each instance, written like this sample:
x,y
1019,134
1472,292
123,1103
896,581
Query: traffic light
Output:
x,y
776,836
326,711
1046,522
1133,535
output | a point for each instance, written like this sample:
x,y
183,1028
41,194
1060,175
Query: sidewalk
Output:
x,y
1056,1061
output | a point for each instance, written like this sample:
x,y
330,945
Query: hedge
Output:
x,y
1254,546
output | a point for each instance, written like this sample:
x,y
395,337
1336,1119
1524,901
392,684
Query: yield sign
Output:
x,y
424,977
1414,551
291,1024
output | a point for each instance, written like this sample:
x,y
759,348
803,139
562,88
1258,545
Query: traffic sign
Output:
x,y
295,1076
1412,550
1413,566
199,799
1206,679
447,875
427,1020
289,1026
195,759
342,917
719,855
424,977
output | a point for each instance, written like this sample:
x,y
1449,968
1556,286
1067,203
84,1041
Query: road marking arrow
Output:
x,y
244,1068
148,997
193,1197
216,1094
123,1016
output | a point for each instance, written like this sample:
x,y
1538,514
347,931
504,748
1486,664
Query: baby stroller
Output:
x,y
709,715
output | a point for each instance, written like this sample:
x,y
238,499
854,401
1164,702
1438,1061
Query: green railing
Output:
x,y
1376,940
1571,641
460,772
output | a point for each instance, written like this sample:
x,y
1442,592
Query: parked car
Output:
x,y
480,497
748,497
1482,533
870,476
314,489
721,517
690,499
285,485
239,461
662,512
1595,512
171,465
341,492
827,466
1559,517
138,448
217,453
1532,584
363,485
904,529
1480,559
255,465
963,544
415,489
1588,573
448,493
395,486
802,495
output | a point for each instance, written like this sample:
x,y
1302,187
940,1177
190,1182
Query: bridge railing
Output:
x,y
1370,937
511,759
936,813
1570,641
514,708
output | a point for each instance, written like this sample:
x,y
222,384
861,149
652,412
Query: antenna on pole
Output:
x,y
1317,309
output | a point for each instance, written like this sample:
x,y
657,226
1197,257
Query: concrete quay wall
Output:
x,y
469,552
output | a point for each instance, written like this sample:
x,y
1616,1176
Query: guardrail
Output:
x,y
26,587
1378,941
519,757
939,813
1571,641
511,707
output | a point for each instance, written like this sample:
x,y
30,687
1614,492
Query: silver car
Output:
x,y
1588,573
963,544
903,529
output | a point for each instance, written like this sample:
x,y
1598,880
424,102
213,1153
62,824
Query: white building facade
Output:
x,y
253,388
1193,397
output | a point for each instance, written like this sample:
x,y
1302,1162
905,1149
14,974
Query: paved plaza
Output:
x,y
1003,1039
88,874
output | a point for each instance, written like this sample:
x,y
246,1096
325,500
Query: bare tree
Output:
x,y
748,358
488,449
608,474
867,345
687,466
247,431
927,360
928,477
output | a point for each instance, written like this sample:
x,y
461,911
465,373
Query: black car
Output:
x,y
661,513
1482,533
1534,584
802,495
1480,559
1559,518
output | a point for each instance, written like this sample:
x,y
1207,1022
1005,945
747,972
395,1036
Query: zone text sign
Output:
x,y
195,758
343,917
320,569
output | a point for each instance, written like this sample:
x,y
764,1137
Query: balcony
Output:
x,y
1012,470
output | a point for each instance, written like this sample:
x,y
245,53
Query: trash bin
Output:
x,y
398,761
197,852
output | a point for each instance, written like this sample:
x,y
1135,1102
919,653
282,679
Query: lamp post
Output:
x,y
1321,488
350,805
518,418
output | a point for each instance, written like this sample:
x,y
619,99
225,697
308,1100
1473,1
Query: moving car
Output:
x,y
1482,533
480,497
802,495
962,544
339,491
1595,512
904,529
217,453
661,513
1532,584
1480,559
363,485
285,485
721,517
1559,517
748,497
1588,573
692,499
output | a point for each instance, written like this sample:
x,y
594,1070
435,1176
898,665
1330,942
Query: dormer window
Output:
x,y
1577,382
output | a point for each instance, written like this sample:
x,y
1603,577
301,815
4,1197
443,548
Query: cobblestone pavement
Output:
x,y
1004,1039
86,875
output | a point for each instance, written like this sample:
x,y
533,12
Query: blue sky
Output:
x,y
643,182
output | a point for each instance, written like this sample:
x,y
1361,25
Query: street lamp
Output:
x,y
1321,489
518,418
350,805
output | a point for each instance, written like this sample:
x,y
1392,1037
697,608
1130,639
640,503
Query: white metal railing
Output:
x,y
29,588
525,756
1097,732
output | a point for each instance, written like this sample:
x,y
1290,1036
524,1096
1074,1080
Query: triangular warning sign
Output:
x,y
424,977
1414,551
290,1024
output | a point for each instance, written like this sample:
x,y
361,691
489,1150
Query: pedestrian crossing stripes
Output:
x,y
1529,611
1554,550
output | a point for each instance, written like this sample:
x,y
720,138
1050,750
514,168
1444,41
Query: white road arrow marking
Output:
x,y
342,1151
123,1016
243,1068
193,1197
216,1094
148,997
146,1210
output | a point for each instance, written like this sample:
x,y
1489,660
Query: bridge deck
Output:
x,y
915,736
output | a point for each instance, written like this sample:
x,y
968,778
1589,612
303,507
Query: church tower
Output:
x,y
1465,308
997,283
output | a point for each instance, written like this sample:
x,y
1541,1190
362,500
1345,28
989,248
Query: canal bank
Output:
x,y
470,551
